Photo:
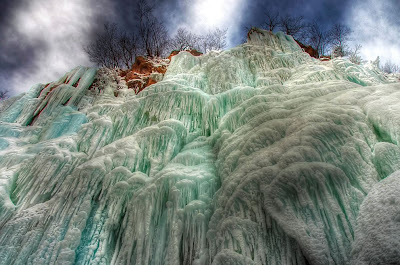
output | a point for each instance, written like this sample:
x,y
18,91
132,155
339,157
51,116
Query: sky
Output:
x,y
43,39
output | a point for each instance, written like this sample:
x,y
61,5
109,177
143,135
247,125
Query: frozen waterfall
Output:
x,y
255,155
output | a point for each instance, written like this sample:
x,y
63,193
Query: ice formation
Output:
x,y
255,155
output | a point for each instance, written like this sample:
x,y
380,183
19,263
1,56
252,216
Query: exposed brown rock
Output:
x,y
131,75
146,66
308,49
325,58
141,66
123,73
150,81
138,77
173,53
160,69
135,83
193,52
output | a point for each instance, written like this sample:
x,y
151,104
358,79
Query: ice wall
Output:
x,y
255,155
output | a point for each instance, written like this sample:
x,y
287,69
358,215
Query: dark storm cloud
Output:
x,y
198,16
171,12
244,14
6,10
15,51
41,40
326,12
124,13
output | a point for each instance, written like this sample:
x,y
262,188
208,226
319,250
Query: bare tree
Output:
x,y
339,35
129,48
153,34
390,67
113,48
104,50
273,20
317,38
184,40
293,26
4,94
216,39
354,55
213,40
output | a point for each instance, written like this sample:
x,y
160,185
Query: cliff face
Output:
x,y
255,155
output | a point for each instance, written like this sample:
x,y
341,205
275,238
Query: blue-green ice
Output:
x,y
255,155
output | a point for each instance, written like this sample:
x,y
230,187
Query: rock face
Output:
x,y
256,155
144,72
308,49
192,52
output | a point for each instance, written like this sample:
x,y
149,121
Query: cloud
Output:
x,y
206,14
41,40
47,38
200,16
377,28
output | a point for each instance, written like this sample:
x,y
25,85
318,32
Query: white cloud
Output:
x,y
62,27
204,15
375,29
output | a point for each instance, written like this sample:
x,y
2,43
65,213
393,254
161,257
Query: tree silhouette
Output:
x,y
113,48
273,19
4,94
339,35
317,37
293,26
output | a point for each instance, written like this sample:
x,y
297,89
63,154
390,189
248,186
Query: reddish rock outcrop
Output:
x,y
193,52
146,66
140,75
308,49
131,75
173,53
122,73
325,58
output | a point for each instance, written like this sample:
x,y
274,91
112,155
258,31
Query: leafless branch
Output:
x,y
292,25
273,20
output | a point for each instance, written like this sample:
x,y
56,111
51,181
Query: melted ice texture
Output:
x,y
255,155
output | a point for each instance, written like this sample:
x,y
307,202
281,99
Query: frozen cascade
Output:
x,y
255,155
